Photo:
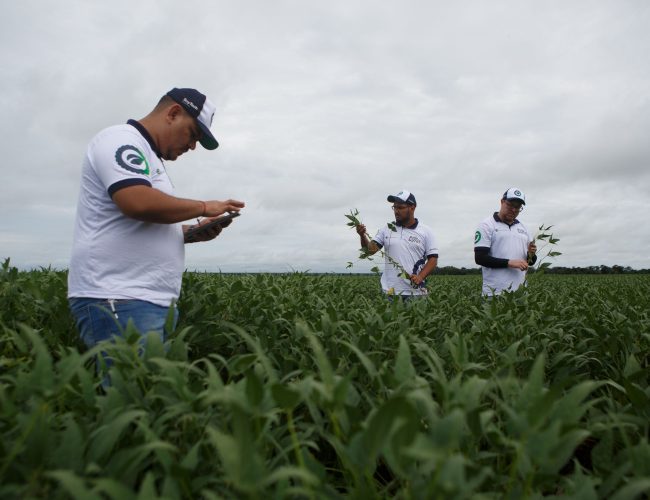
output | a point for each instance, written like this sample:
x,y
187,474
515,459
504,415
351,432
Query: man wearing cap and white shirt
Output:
x,y
504,247
128,252
409,247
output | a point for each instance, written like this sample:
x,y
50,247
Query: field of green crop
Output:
x,y
301,386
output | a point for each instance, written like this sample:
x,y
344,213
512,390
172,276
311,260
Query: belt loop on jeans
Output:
x,y
112,304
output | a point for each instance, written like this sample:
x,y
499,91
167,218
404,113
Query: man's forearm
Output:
x,y
371,246
482,258
429,267
364,240
152,205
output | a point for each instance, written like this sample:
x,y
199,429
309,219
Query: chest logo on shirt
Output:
x,y
131,158
477,236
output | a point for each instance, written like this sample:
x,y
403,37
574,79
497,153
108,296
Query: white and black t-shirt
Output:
x,y
411,247
505,242
115,256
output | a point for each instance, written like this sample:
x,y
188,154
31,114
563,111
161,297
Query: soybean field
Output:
x,y
316,386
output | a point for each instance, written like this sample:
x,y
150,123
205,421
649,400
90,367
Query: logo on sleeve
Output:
x,y
131,158
477,237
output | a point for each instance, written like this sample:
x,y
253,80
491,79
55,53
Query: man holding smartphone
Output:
x,y
128,252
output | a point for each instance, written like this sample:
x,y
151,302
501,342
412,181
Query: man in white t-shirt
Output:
x,y
410,249
504,247
128,251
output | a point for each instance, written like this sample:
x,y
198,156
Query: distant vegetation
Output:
x,y
615,269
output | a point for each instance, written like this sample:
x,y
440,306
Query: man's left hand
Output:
x,y
209,233
416,279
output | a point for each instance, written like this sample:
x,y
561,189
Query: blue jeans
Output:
x,y
102,319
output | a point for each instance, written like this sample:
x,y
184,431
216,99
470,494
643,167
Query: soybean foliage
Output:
x,y
302,386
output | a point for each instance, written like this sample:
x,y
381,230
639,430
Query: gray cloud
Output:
x,y
325,108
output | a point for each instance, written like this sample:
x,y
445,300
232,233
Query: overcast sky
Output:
x,y
323,107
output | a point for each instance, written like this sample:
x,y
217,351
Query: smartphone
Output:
x,y
193,232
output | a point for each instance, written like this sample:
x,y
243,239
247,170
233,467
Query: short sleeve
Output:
x,y
120,158
431,244
483,236
380,237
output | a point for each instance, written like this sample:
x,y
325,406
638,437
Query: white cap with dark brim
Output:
x,y
201,109
403,196
514,194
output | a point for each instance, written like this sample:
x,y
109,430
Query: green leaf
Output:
x,y
286,473
254,388
285,397
113,489
191,460
637,396
633,489
105,437
73,484
404,370
147,489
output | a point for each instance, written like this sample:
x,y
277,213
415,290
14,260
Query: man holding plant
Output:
x,y
409,247
504,247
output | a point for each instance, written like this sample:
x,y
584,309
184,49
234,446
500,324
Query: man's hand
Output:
x,y
520,264
206,234
416,279
366,243
532,250
214,208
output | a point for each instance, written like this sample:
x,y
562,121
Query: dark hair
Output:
x,y
164,102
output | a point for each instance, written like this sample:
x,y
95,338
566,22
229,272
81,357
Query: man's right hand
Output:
x,y
520,264
361,229
214,208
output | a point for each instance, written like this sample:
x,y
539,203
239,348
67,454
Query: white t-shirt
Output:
x,y
410,247
504,242
115,256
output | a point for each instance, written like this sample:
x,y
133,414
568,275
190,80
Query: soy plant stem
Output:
x,y
294,439
296,445
544,234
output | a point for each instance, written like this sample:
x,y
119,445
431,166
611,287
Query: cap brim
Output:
x,y
395,199
207,140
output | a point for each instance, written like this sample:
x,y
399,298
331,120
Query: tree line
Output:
x,y
602,269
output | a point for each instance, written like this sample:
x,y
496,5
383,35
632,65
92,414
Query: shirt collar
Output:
x,y
143,131
498,219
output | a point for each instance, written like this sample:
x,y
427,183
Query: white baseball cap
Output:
x,y
201,109
515,194
403,196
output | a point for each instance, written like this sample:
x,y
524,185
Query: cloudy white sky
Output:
x,y
328,106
